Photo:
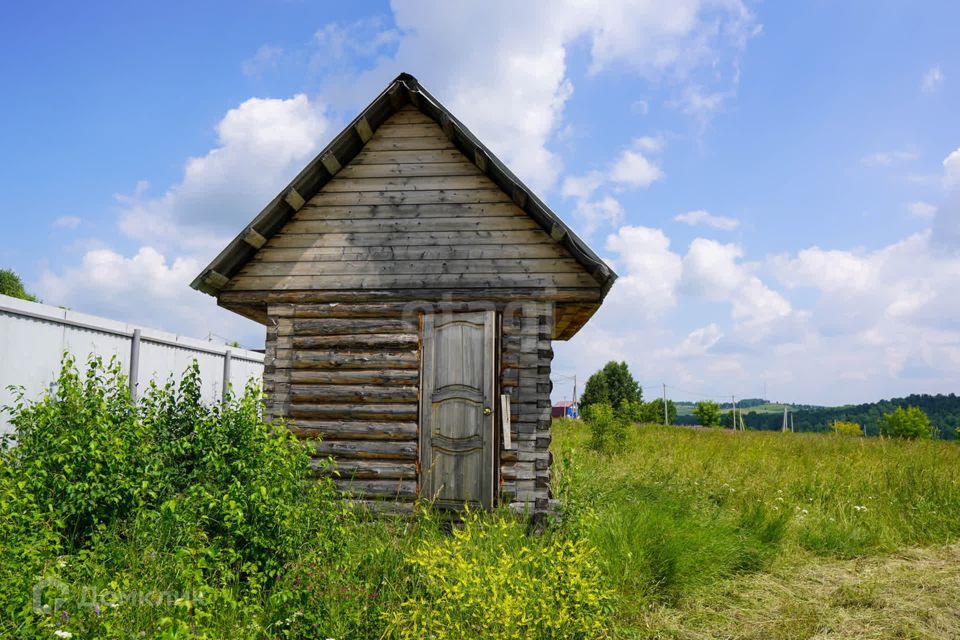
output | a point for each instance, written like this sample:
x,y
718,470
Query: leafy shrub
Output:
x,y
707,413
844,428
491,580
608,430
630,412
909,423
81,452
171,494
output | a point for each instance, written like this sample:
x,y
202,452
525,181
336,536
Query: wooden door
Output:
x,y
457,409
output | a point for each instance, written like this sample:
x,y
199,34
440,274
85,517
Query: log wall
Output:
x,y
346,378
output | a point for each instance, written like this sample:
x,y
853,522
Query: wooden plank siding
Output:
x,y
366,419
409,226
410,211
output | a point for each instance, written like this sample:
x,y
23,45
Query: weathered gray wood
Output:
x,y
456,444
352,411
394,169
426,265
411,281
413,239
466,252
383,507
409,156
362,341
404,211
343,310
391,489
362,376
353,429
366,450
336,198
501,295
392,129
352,360
369,470
409,183
412,225
347,327
352,393
418,143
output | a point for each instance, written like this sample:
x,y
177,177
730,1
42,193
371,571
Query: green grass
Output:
x,y
685,533
681,511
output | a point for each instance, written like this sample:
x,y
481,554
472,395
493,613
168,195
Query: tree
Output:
x,y
846,428
608,429
653,411
909,423
613,384
707,413
12,285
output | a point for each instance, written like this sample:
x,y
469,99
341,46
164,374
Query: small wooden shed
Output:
x,y
411,285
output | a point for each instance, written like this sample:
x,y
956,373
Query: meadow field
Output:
x,y
168,519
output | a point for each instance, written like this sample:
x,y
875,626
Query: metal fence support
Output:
x,y
227,357
134,362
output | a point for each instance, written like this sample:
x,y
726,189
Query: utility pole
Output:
x,y
666,419
733,400
784,418
791,422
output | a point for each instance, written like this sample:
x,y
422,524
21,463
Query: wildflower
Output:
x,y
96,609
60,633
859,508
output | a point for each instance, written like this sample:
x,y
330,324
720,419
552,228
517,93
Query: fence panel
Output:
x,y
34,337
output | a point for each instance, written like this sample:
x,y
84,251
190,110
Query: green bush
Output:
x,y
491,580
909,423
608,429
707,413
844,428
171,496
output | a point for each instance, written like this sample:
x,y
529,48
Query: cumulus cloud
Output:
x,y
262,144
651,270
633,169
145,288
932,80
698,217
630,170
946,220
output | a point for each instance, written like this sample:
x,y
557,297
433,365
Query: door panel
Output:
x,y
456,412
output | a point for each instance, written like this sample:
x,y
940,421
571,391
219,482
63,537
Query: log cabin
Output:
x,y
411,286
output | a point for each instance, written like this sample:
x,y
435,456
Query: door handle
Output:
x,y
487,411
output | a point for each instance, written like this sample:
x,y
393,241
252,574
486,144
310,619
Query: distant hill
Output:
x,y
943,410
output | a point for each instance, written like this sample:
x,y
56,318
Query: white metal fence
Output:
x,y
34,338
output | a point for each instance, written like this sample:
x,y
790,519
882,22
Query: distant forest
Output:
x,y
943,411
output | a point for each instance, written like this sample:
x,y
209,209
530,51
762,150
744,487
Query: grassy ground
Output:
x,y
715,534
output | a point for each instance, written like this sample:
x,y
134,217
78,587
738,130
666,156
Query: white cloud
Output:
x,y
887,158
581,187
932,80
145,289
946,221
262,144
512,87
652,270
697,343
922,209
67,222
594,214
633,169
694,218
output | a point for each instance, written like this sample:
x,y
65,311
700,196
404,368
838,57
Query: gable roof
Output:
x,y
347,144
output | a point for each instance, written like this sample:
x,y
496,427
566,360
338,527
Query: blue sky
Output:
x,y
773,182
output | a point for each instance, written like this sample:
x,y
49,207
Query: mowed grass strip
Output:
x,y
682,511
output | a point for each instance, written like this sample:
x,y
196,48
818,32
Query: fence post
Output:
x,y
227,357
134,363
